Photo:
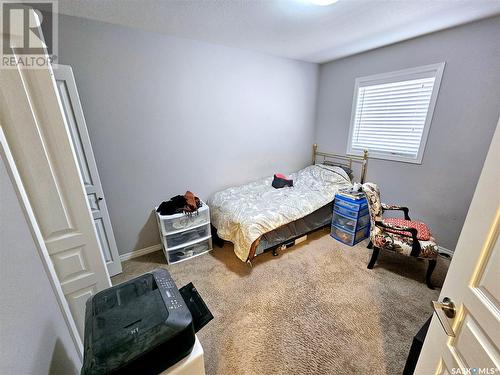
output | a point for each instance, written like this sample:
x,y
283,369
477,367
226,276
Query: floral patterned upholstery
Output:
x,y
423,233
388,239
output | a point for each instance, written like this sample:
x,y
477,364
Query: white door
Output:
x,y
38,140
473,285
73,112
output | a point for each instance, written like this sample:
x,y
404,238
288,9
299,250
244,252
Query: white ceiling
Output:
x,y
289,28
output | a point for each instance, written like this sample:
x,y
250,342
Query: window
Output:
x,y
392,113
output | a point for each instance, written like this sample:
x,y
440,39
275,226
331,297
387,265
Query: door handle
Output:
x,y
100,198
445,312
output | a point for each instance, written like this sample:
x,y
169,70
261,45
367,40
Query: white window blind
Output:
x,y
392,113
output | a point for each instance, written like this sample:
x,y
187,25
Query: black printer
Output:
x,y
141,326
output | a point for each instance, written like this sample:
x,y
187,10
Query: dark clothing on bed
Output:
x,y
279,182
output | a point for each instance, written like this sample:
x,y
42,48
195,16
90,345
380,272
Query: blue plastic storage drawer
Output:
x,y
350,204
363,221
344,222
346,212
349,238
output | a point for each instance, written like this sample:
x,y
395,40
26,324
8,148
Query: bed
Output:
x,y
256,217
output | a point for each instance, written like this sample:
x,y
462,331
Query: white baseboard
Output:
x,y
140,252
444,250
152,249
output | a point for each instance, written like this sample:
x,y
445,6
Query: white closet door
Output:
x,y
73,112
38,139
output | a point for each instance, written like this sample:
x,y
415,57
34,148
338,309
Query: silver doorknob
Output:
x,y
445,312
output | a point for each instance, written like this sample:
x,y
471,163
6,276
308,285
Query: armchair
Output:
x,y
406,237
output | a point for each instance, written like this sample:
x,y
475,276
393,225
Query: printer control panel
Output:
x,y
168,289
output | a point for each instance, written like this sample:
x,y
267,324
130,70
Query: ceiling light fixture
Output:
x,y
323,2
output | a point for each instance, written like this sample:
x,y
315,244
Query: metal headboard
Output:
x,y
342,160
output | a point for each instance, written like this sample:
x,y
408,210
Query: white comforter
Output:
x,y
244,213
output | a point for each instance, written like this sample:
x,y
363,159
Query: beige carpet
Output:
x,y
315,309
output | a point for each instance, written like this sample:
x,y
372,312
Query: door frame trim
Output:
x,y
39,242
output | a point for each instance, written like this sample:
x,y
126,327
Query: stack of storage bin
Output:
x,y
185,236
350,220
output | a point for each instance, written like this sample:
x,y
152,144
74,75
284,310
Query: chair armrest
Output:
x,y
386,207
415,249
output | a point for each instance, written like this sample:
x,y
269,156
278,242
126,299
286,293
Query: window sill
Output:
x,y
398,158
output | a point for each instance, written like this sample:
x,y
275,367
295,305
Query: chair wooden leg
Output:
x,y
374,257
370,245
430,269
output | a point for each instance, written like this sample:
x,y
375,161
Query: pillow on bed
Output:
x,y
347,170
343,167
343,171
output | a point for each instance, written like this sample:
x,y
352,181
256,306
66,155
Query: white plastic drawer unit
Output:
x,y
188,251
179,222
190,235
185,236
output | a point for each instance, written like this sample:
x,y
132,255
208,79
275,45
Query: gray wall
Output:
x,y
167,114
34,338
439,190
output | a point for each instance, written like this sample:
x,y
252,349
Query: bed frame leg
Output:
x,y
216,239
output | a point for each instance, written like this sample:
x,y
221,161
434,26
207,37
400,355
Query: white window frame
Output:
x,y
400,75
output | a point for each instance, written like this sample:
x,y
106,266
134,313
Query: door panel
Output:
x,y
79,135
94,207
69,263
103,239
39,142
443,370
488,286
473,283
73,129
473,346
78,300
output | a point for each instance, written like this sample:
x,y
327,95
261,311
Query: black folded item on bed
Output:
x,y
280,182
